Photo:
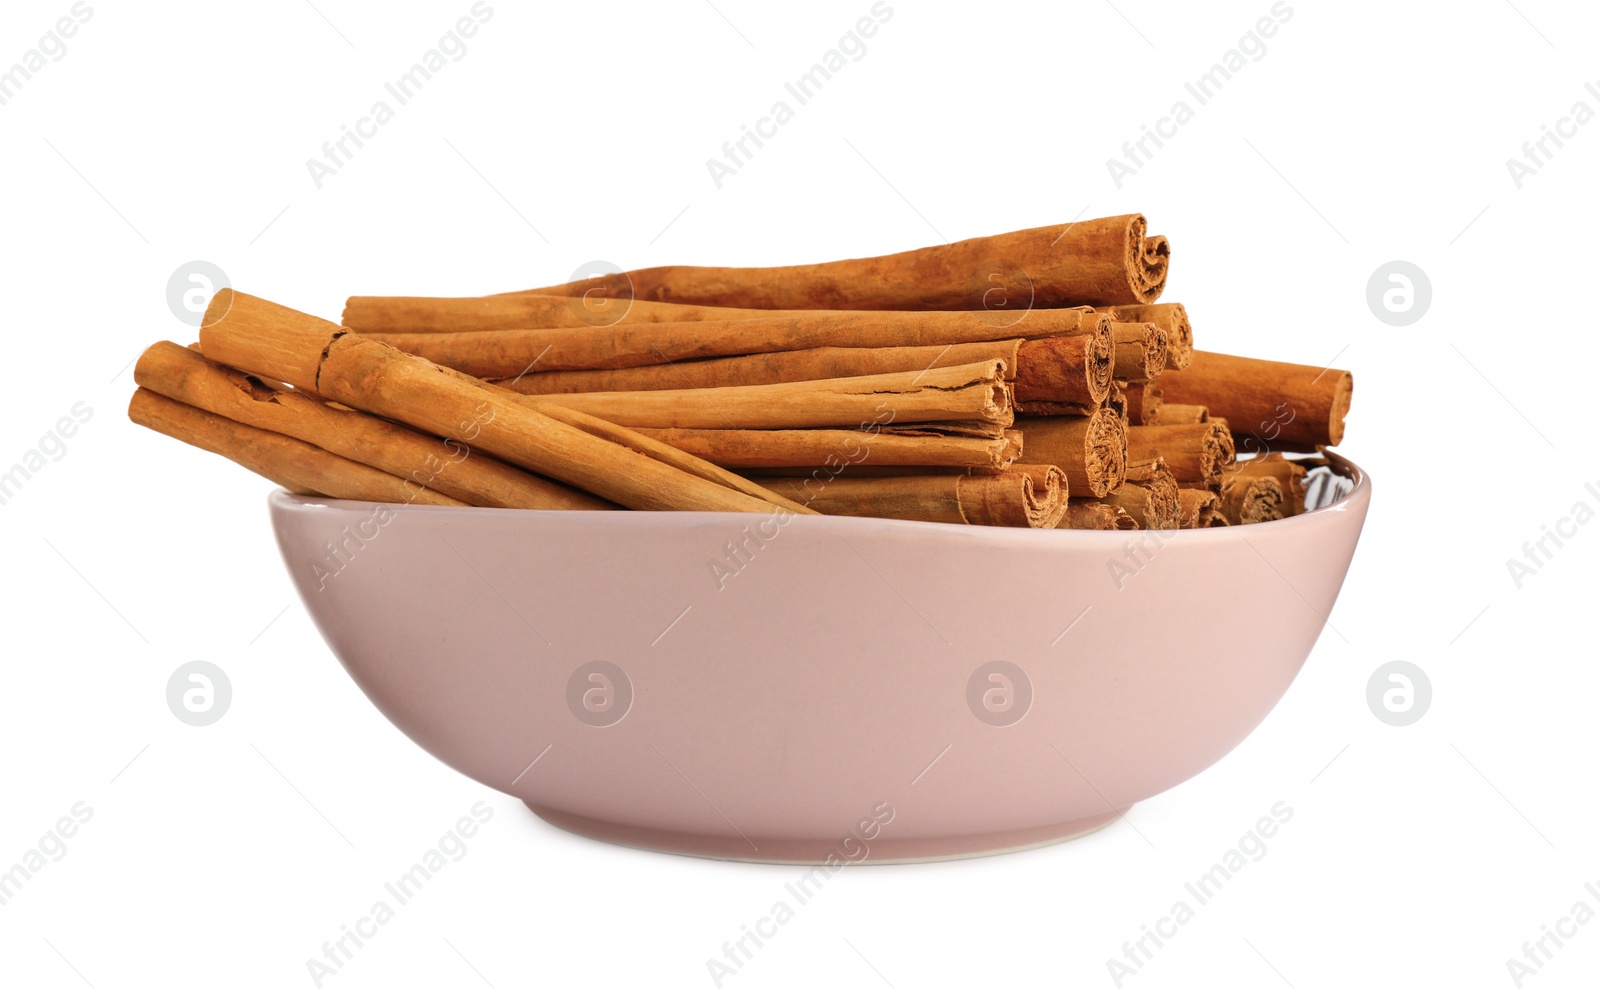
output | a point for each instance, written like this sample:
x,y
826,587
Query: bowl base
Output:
x,y
803,851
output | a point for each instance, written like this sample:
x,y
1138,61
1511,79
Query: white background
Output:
x,y
1368,132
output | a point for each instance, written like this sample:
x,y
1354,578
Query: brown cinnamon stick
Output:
x,y
520,311
768,369
447,466
1021,497
1246,500
840,448
1199,508
1291,477
1091,450
1269,405
512,353
1150,495
294,464
1141,350
1197,452
1171,317
1087,513
970,391
1105,261
273,341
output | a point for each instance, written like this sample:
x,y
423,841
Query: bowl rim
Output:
x,y
281,499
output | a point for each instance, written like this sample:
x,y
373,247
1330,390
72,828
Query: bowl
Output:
x,y
817,689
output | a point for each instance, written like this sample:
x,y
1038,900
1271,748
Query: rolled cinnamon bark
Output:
x,y
511,353
273,341
1141,350
1150,495
951,394
1194,452
1091,450
520,311
1034,498
1251,499
1174,414
1143,400
1087,513
295,464
1106,261
1291,477
839,449
1199,508
446,466
1269,405
1064,375
768,369
1171,317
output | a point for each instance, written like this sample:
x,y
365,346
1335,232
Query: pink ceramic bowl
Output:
x,y
861,689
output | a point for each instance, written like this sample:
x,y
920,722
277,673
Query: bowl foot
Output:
x,y
884,850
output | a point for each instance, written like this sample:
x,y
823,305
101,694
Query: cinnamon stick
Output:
x,y
1197,452
1106,261
1171,317
1150,494
512,353
277,342
1033,498
1291,477
1091,450
447,466
1270,405
769,368
969,391
839,448
520,311
1141,350
1086,513
294,464
1246,499
1199,508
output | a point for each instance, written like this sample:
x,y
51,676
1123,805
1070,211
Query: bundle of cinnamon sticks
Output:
x,y
1026,379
